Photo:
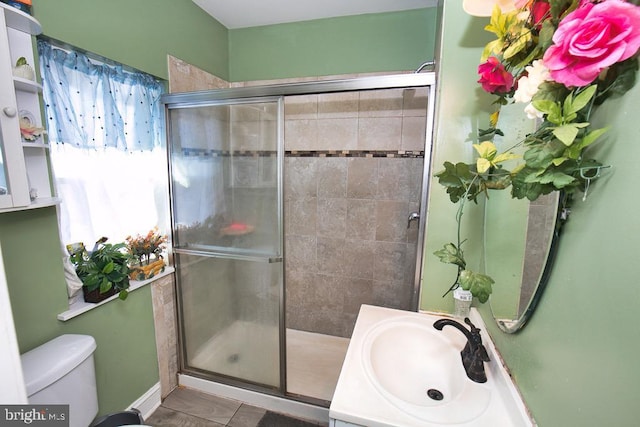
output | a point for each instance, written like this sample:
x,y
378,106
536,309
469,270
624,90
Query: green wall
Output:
x,y
354,44
575,363
461,109
123,331
139,33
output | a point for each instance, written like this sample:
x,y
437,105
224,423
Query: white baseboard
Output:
x,y
148,402
272,403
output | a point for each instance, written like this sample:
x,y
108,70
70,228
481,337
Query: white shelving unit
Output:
x,y
24,164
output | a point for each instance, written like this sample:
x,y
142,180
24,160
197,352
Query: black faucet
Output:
x,y
473,354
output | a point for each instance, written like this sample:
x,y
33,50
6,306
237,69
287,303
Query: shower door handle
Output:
x,y
211,252
412,217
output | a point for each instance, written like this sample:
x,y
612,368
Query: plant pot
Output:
x,y
95,296
146,271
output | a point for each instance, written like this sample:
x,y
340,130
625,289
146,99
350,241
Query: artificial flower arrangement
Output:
x,y
147,250
560,59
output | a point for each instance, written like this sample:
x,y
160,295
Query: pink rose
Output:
x,y
592,38
494,78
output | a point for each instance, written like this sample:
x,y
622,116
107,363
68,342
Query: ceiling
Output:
x,y
251,13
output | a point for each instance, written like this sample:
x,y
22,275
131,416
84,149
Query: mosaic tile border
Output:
x,y
392,154
355,153
204,152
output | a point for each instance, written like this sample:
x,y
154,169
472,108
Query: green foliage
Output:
x,y
103,268
618,80
451,254
555,155
552,161
478,284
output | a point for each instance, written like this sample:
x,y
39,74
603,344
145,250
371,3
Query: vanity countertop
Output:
x,y
359,400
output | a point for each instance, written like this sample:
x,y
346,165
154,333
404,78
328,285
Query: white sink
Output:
x,y
400,371
428,380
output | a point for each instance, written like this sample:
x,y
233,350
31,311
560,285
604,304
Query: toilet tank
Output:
x,y
61,372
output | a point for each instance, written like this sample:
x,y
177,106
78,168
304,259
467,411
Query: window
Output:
x,y
107,148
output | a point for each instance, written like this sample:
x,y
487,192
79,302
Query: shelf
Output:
x,y
26,85
79,306
39,145
21,21
41,202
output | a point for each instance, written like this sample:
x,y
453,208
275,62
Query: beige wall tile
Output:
x,y
184,77
381,133
300,253
332,217
413,133
360,254
361,219
391,221
362,178
381,103
300,177
337,134
338,105
332,177
300,134
164,308
414,102
393,179
304,216
301,107
392,294
390,261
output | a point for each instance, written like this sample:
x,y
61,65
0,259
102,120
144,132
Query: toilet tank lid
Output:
x,y
49,362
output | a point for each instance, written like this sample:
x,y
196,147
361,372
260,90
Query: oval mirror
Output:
x,y
521,240
520,237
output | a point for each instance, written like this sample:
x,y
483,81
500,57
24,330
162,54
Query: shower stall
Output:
x,y
292,205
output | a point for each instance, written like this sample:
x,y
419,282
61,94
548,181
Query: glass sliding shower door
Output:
x,y
226,173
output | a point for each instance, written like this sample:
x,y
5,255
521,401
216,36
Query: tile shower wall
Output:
x,y
353,172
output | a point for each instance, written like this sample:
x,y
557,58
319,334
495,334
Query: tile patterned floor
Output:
x,y
190,408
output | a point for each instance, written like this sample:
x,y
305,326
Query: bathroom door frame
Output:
x,y
242,94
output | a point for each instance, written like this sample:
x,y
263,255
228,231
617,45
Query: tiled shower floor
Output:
x,y
190,408
313,363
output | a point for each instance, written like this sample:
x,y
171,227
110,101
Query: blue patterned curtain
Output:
x,y
90,105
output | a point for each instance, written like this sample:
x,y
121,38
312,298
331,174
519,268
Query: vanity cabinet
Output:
x,y
25,176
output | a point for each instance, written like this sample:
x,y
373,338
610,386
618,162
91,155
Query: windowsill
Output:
x,y
79,306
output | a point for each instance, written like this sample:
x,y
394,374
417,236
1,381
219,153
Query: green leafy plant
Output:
x,y
104,268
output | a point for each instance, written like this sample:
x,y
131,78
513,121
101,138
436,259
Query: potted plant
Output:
x,y
104,271
146,252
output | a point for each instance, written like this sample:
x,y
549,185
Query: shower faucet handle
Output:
x,y
412,217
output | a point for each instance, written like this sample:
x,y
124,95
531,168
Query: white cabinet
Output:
x,y
25,177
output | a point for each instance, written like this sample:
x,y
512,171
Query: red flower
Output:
x,y
540,12
494,78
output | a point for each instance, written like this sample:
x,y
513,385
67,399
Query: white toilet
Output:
x,y
61,371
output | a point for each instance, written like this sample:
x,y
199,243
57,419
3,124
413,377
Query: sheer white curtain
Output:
x,y
109,192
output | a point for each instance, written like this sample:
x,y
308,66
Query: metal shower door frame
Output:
x,y
240,95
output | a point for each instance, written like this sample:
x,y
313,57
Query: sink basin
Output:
x,y
399,371
419,370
